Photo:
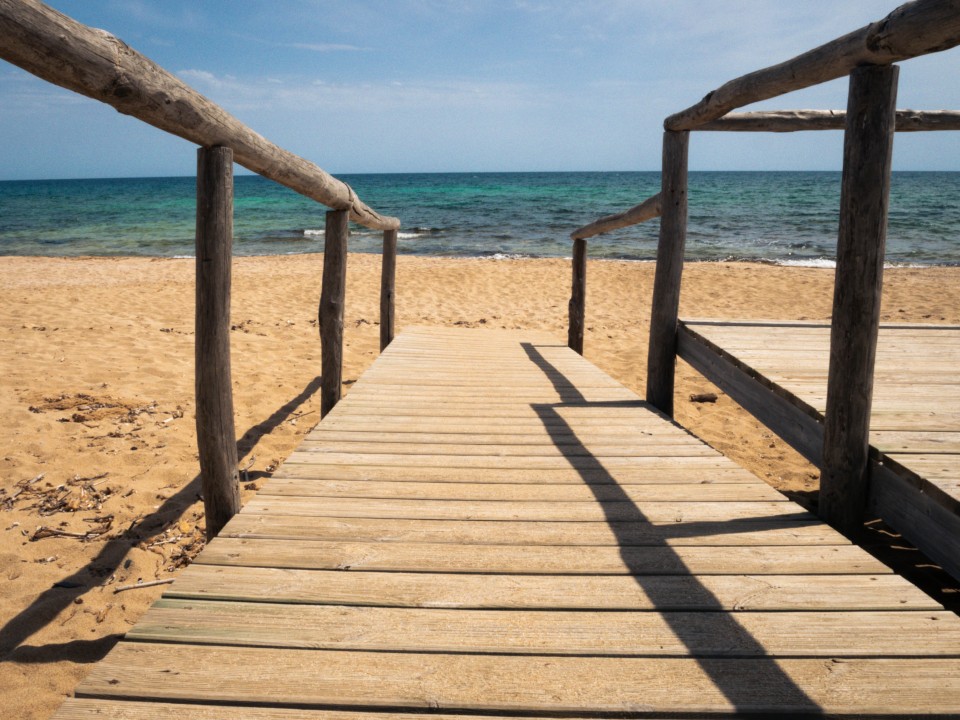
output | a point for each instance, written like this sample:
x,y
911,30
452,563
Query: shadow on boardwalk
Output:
x,y
767,685
52,602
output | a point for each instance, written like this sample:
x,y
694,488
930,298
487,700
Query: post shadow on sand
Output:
x,y
51,602
767,687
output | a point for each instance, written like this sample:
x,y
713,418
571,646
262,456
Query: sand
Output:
x,y
97,400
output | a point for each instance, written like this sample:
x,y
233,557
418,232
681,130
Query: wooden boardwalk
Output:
x,y
489,525
914,426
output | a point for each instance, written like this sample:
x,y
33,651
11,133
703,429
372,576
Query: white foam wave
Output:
x,y
313,233
408,235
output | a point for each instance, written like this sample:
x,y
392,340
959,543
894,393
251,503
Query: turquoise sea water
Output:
x,y
779,217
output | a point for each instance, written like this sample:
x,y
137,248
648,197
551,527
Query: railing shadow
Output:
x,y
53,601
766,686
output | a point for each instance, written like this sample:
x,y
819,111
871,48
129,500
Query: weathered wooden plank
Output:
x,y
313,678
651,511
917,442
535,532
552,632
570,592
98,709
659,447
494,462
527,560
646,471
511,492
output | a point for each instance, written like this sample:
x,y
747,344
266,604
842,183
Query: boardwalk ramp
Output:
x,y
489,525
778,371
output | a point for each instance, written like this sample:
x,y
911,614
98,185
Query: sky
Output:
x,y
360,86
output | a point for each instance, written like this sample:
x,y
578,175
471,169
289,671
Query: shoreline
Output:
x,y
98,400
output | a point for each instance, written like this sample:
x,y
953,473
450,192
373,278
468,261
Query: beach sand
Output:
x,y
97,401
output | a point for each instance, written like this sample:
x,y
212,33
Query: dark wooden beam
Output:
x,y
864,197
330,315
661,352
577,307
780,121
216,436
388,283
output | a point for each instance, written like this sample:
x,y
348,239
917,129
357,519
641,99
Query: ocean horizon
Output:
x,y
779,217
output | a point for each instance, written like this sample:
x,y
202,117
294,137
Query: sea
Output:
x,y
786,218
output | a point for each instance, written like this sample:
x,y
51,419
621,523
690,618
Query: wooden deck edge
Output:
x,y
922,512
800,425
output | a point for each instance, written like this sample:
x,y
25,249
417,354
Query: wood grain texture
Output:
x,y
661,350
803,120
861,245
316,678
330,313
388,288
577,307
914,426
600,561
216,434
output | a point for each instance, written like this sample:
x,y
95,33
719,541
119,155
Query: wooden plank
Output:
x,y
316,678
602,463
559,592
527,560
647,210
86,709
576,308
643,448
535,532
552,632
547,511
510,492
642,470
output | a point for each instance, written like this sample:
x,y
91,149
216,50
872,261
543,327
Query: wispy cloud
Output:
x,y
327,47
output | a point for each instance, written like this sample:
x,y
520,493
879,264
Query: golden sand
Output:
x,y
98,452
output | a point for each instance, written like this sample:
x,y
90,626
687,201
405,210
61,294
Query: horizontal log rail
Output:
x,y
94,63
781,121
800,120
647,210
916,28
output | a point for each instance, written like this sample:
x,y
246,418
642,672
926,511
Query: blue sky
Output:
x,y
465,85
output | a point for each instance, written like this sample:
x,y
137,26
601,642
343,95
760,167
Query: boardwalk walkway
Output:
x,y
487,524
914,426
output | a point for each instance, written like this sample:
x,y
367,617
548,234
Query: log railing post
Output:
x,y
388,279
330,315
216,436
578,296
661,353
864,195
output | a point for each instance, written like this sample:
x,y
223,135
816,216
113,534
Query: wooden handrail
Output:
x,y
917,28
94,63
647,210
798,120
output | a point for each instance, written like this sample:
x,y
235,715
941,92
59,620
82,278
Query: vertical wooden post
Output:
x,y
865,190
661,353
216,436
577,308
388,279
330,315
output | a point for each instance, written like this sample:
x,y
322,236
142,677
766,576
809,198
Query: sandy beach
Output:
x,y
99,486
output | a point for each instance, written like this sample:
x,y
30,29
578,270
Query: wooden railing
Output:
x,y
866,56
94,63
